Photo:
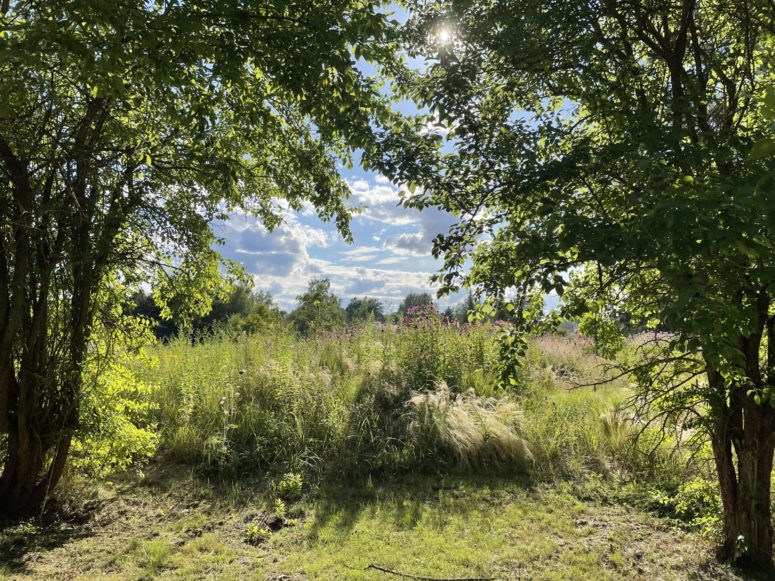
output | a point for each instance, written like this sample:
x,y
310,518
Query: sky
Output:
x,y
389,258
390,255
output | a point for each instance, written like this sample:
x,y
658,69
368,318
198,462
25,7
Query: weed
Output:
x,y
152,555
474,432
695,503
289,488
369,400
255,535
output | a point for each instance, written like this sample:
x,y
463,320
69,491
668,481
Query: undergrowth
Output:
x,y
419,396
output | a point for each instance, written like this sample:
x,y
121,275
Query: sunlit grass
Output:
x,y
422,395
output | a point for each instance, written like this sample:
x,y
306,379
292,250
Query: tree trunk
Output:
x,y
744,479
31,469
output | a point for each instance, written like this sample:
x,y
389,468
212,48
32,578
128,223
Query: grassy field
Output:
x,y
173,525
352,454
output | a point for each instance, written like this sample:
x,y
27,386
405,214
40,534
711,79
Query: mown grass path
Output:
x,y
172,525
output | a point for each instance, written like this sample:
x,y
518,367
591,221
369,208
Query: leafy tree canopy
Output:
x,y
360,310
245,309
318,309
414,300
617,154
126,129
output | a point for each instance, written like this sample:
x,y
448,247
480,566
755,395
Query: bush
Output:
x,y
116,428
695,503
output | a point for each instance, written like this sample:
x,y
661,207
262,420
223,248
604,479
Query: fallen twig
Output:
x,y
421,578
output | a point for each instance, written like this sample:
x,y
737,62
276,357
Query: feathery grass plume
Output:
x,y
473,431
619,428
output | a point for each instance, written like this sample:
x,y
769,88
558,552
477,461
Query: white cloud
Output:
x,y
420,243
302,248
362,254
347,282
381,203
392,260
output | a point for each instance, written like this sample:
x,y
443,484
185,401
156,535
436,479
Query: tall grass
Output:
x,y
420,395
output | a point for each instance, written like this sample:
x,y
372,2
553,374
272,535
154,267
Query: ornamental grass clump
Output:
x,y
466,430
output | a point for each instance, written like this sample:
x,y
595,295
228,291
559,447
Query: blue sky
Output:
x,y
390,255
389,258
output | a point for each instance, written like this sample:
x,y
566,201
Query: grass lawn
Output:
x,y
174,525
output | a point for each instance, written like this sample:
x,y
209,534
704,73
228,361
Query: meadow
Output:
x,y
282,457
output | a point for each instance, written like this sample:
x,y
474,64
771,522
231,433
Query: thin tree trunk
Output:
x,y
727,477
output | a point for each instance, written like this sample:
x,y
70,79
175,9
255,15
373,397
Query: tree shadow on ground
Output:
x,y
23,537
409,496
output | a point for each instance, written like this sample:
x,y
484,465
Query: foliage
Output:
x,y
116,431
413,300
318,309
289,488
433,350
351,404
255,535
695,502
618,155
242,309
365,309
126,131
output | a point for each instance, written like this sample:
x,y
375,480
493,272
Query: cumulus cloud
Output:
x,y
272,257
380,202
384,263
347,282
420,243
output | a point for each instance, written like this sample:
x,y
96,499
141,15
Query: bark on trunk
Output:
x,y
30,472
744,479
747,515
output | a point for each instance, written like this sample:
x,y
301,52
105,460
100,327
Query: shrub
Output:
x,y
695,502
116,428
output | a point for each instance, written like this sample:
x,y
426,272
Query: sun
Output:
x,y
444,35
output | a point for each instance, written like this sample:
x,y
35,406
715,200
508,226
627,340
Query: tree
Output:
x,y
126,129
257,313
360,310
318,309
414,300
603,150
142,305
244,309
465,309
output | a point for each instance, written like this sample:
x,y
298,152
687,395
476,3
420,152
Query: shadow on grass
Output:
x,y
22,538
404,502
409,496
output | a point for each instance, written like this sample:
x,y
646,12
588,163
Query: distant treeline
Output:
x,y
318,309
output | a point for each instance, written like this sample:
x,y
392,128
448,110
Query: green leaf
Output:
x,y
762,149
